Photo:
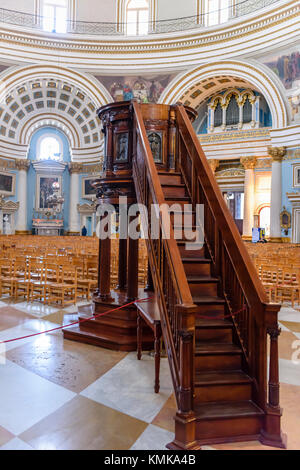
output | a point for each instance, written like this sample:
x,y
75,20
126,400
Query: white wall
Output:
x,y
168,9
18,5
96,10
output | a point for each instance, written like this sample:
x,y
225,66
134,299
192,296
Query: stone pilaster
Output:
x,y
277,154
23,167
249,164
74,225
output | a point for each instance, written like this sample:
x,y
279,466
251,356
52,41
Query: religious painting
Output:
x,y
87,189
287,67
155,141
45,191
7,183
121,147
145,89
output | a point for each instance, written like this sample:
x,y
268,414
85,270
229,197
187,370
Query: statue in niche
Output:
x,y
155,145
6,225
122,148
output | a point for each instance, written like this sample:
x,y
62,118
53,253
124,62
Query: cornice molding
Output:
x,y
159,45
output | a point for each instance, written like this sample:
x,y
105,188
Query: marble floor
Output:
x,y
58,394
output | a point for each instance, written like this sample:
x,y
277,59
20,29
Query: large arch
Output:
x,y
31,97
15,76
264,80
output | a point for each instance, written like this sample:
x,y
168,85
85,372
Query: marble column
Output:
x,y
22,166
74,218
249,164
277,154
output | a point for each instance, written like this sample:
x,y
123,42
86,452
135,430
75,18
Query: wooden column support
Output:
x,y
122,275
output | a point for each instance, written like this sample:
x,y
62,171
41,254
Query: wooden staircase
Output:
x,y
215,316
223,398
214,313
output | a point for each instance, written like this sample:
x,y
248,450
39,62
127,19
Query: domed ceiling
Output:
x,y
54,102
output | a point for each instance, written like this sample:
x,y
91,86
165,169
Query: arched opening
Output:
x,y
137,17
265,219
49,148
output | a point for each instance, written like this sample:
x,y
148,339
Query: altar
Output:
x,y
49,228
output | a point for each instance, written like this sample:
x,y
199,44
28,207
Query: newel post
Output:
x,y
271,433
185,424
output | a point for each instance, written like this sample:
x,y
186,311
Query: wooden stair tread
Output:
x,y
217,348
213,323
222,377
172,185
199,279
165,172
217,410
179,198
196,260
208,300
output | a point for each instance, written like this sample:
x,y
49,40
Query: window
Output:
x,y
217,11
49,148
55,14
137,17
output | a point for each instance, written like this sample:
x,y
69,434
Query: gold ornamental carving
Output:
x,y
75,167
249,163
277,153
22,165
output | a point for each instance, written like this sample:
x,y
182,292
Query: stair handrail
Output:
x,y
261,315
180,316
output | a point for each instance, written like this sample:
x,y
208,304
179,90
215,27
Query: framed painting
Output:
x,y
88,192
7,183
44,189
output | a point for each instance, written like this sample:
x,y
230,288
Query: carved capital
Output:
x,y
249,163
186,336
22,165
277,153
274,332
75,167
214,164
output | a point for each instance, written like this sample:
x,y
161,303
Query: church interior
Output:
x,y
143,343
